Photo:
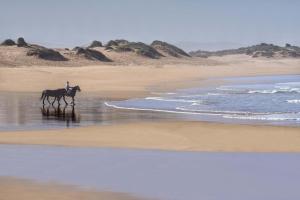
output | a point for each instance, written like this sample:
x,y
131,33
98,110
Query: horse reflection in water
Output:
x,y
66,114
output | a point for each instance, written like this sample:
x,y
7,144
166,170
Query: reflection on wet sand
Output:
x,y
58,113
23,111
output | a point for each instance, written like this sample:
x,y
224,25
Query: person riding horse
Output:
x,y
61,93
68,87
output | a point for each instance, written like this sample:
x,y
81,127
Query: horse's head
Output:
x,y
77,88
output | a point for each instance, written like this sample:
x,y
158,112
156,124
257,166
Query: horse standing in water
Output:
x,y
53,93
60,93
72,93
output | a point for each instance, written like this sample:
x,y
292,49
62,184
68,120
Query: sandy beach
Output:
x,y
124,82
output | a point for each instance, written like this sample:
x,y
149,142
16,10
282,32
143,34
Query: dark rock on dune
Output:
x,y
95,43
140,49
122,42
8,42
45,53
124,48
109,48
169,49
111,44
21,42
115,43
91,54
75,48
137,47
260,50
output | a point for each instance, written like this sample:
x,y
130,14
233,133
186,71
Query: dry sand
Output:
x,y
16,189
132,81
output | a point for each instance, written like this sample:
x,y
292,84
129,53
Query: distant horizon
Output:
x,y
191,24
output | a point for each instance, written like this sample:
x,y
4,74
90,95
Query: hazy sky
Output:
x,y
69,23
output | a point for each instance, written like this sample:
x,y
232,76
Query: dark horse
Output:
x,y
72,93
58,94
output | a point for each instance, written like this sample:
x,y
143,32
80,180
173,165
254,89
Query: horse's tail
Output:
x,y
43,94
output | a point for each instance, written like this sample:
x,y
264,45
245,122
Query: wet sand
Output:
x,y
159,174
15,189
180,136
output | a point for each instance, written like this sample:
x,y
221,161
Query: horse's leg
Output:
x,y
73,101
65,100
44,100
58,100
54,100
48,100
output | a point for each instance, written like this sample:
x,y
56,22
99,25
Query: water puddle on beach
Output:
x,y
165,175
24,111
272,100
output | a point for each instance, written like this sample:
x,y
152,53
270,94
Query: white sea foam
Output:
x,y
150,109
227,88
161,93
264,117
296,101
214,94
289,90
172,100
220,112
263,91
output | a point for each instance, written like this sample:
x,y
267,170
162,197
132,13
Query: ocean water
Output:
x,y
260,100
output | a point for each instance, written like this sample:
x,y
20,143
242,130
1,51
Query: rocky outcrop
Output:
x,y
95,43
91,54
45,53
169,49
8,42
260,50
137,47
21,42
113,44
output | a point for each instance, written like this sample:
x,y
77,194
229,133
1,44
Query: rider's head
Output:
x,y
67,82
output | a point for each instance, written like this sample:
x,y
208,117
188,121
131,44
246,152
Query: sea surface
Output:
x,y
260,100
162,175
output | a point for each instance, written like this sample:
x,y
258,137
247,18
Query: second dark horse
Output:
x,y
60,93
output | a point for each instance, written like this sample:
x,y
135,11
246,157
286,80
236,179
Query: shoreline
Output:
x,y
132,82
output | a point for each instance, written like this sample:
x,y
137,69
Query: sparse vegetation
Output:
x,y
8,42
45,53
95,43
91,54
169,49
260,50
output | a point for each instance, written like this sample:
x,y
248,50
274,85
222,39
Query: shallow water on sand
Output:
x,y
24,111
163,175
251,100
